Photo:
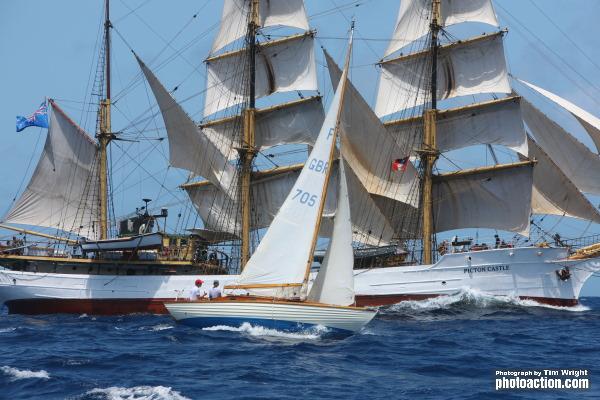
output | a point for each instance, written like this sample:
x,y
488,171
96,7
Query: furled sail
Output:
x,y
296,122
414,18
577,162
497,198
235,18
554,193
282,65
63,191
334,283
188,147
270,190
497,122
590,122
369,149
280,263
465,68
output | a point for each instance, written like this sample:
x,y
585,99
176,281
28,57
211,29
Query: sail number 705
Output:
x,y
305,197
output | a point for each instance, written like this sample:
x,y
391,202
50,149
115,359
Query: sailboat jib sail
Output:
x,y
334,283
234,20
282,65
279,266
468,67
63,190
496,122
414,18
590,122
188,147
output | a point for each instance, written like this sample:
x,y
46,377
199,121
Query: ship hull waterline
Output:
x,y
290,316
525,273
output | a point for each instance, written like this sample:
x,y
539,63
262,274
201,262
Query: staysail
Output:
x,y
188,147
63,191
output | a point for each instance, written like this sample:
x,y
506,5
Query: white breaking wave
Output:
x,y
138,393
311,334
6,330
477,299
17,374
160,327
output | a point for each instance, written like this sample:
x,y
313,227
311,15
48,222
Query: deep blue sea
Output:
x,y
441,349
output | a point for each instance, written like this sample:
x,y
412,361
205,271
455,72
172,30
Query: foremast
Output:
x,y
104,133
248,149
429,152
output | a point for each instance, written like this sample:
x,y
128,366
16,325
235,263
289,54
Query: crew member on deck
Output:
x,y
215,291
197,293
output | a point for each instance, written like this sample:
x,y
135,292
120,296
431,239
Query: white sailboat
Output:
x,y
275,279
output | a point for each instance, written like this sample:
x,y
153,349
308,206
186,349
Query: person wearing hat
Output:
x,y
197,293
215,291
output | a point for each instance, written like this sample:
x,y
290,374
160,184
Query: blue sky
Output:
x,y
49,49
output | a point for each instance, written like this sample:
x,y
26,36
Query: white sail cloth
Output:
x,y
334,283
553,191
268,194
297,122
498,122
281,66
414,18
590,122
235,18
577,162
369,149
466,68
63,190
499,199
188,148
280,263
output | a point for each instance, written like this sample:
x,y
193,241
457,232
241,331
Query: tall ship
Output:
x,y
437,94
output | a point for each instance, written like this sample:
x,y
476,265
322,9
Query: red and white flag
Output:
x,y
400,164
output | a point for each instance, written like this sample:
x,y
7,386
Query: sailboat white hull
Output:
x,y
528,273
281,315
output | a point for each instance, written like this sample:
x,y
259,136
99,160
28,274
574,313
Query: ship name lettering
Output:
x,y
487,268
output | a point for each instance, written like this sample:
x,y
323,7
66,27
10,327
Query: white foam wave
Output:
x,y
138,393
160,327
476,299
310,334
16,374
7,330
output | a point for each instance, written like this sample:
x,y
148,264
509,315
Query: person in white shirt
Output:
x,y
215,291
197,293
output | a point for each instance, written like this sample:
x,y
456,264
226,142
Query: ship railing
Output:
x,y
577,243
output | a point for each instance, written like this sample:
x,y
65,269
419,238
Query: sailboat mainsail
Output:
x,y
63,190
279,266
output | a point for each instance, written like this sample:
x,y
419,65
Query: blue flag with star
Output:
x,y
38,118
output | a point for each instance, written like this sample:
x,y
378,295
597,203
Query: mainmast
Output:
x,y
429,152
104,135
248,149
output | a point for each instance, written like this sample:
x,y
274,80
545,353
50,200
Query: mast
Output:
x,y
429,153
104,135
248,150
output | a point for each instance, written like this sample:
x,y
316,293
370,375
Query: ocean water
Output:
x,y
445,348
